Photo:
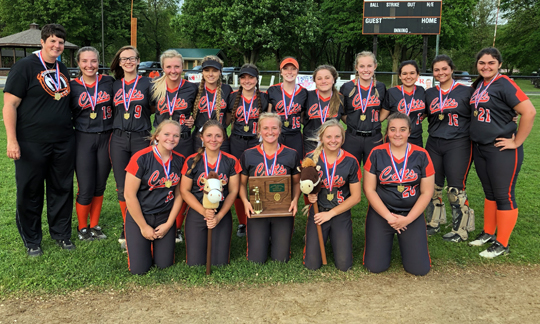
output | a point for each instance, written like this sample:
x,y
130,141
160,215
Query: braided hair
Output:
x,y
208,124
239,94
357,76
202,88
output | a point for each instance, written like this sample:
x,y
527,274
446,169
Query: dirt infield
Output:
x,y
501,294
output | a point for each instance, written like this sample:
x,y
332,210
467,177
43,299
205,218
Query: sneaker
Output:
x,y
433,230
85,235
97,233
122,239
66,244
452,237
179,236
34,252
495,250
482,239
241,232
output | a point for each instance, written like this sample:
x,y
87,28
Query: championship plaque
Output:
x,y
270,196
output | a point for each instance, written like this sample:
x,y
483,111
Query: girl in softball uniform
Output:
x,y
498,147
269,158
398,184
363,98
408,99
91,106
322,104
335,200
288,100
449,147
153,200
199,220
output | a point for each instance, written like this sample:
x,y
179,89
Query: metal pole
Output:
x,y
437,45
102,34
375,45
496,22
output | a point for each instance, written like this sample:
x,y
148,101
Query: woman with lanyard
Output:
x,y
247,101
408,99
269,158
336,198
91,106
153,200
199,220
290,112
131,117
362,108
398,184
498,147
449,147
322,104
211,91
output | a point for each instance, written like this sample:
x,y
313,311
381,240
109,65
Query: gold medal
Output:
x,y
57,96
168,183
401,188
126,116
441,116
330,196
362,117
246,128
286,123
475,113
277,197
93,115
170,117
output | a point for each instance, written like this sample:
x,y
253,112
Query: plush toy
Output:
x,y
213,188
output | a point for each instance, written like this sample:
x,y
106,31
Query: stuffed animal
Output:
x,y
213,188
310,182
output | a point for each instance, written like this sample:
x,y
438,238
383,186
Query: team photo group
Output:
x,y
182,155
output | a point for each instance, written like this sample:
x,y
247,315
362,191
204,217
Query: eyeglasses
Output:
x,y
130,59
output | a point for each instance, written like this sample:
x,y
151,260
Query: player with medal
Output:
x,y
91,106
153,200
341,190
449,146
131,117
398,183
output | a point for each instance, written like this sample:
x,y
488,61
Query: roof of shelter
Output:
x,y
28,38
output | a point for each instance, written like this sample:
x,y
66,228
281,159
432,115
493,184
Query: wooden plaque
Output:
x,y
275,195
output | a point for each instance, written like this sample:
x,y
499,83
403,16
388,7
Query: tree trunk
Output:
x,y
396,57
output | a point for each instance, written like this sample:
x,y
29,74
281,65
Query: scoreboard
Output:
x,y
402,17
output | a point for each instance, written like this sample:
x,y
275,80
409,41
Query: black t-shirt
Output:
x,y
139,111
40,118
183,107
239,124
153,195
456,114
291,124
202,114
252,162
312,113
396,102
81,106
353,108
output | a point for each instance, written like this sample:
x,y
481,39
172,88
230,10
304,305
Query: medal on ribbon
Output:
x,y
246,116
93,102
400,175
362,106
166,167
206,163
126,103
409,107
480,94
270,172
56,83
330,177
441,102
209,108
170,107
323,112
287,110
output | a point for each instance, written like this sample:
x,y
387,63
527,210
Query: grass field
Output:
x,y
101,265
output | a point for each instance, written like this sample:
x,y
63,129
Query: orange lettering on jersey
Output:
x,y
156,182
372,102
137,96
388,176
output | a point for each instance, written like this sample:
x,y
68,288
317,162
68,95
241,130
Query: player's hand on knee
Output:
x,y
13,150
161,230
321,218
312,198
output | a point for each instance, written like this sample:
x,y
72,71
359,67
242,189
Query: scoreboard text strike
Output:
x,y
402,17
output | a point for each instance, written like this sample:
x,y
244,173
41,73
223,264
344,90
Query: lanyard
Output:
x,y
441,102
402,174
206,163
324,112
93,103
480,94
210,109
57,82
126,104
364,108
408,109
169,106
330,179
246,116
166,168
270,172
285,108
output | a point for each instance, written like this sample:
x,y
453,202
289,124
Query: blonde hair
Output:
x,y
357,76
320,133
159,128
267,115
201,88
235,107
159,87
115,65
78,57
335,101
209,123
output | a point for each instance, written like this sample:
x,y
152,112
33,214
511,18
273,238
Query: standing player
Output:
x,y
288,100
131,117
198,166
322,104
398,184
336,198
449,147
153,200
269,158
408,99
498,147
211,93
362,108
247,101
91,106
40,140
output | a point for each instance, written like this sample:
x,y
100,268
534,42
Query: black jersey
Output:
x,y
202,114
40,118
252,162
154,196
137,117
394,101
228,167
312,114
290,123
454,120
494,115
419,166
347,171
239,125
372,105
88,119
182,107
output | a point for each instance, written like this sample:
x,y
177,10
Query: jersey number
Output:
x,y
484,115
340,197
410,191
419,119
170,197
255,128
453,120
138,110
107,112
374,115
296,122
